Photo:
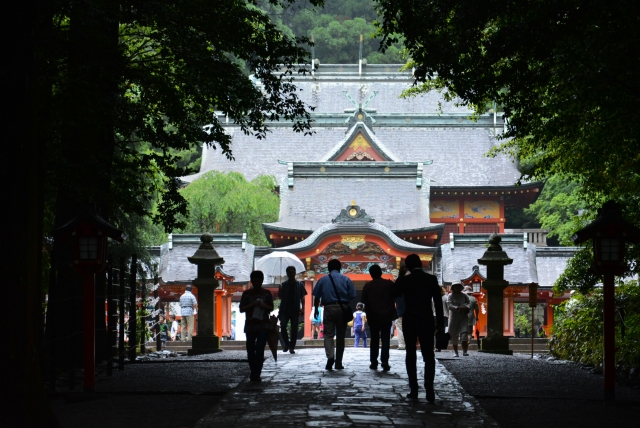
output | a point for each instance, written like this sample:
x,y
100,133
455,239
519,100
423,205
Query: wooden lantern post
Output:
x,y
533,302
89,233
609,233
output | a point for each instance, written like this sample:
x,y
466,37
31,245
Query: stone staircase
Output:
x,y
520,345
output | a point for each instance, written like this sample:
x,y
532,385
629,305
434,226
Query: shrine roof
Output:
x,y
325,90
237,254
551,262
360,228
312,202
360,127
458,153
459,257
412,129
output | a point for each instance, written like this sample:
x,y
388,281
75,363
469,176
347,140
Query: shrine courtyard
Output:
x,y
482,390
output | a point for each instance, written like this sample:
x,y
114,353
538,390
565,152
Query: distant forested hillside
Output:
x,y
336,29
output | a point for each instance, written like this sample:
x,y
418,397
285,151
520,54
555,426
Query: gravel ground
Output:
x,y
520,392
172,392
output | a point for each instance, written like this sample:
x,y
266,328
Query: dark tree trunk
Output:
x,y
88,102
21,248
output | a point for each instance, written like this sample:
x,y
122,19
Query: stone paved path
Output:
x,y
296,392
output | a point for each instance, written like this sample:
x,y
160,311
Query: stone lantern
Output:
x,y
495,260
206,258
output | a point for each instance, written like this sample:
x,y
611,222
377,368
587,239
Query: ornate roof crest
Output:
x,y
353,213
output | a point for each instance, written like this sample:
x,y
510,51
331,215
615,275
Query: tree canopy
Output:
x,y
170,65
228,203
565,74
559,209
336,30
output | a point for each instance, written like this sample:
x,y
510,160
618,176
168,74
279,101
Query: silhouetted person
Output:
x,y
378,299
325,290
257,303
421,292
291,294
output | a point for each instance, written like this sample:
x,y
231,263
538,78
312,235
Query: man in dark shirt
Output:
x,y
257,303
421,293
378,299
291,294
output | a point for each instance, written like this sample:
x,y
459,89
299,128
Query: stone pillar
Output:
x,y
206,258
495,260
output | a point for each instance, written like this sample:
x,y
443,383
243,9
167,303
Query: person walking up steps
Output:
x,y
421,292
335,291
359,321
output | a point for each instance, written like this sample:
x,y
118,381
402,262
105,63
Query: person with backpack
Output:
x,y
359,321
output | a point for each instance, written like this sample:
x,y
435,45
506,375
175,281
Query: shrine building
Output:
x,y
383,177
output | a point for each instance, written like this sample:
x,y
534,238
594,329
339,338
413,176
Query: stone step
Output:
x,y
516,345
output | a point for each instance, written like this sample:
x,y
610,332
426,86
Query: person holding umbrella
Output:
x,y
291,294
257,303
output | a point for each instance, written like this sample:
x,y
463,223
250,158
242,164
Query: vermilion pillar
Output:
x,y
609,338
308,307
218,312
90,332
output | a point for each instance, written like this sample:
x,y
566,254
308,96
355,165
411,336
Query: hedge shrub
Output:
x,y
577,330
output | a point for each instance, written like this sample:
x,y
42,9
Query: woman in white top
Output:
x,y
458,304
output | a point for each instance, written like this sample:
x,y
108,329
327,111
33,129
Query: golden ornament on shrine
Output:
x,y
360,143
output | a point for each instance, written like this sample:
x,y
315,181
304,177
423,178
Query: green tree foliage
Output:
x,y
133,87
566,74
336,30
522,319
228,203
172,67
559,209
577,330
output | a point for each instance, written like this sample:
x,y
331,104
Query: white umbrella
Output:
x,y
276,263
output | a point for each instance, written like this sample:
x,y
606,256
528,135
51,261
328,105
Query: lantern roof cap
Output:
x,y
494,254
206,253
475,272
101,224
609,214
